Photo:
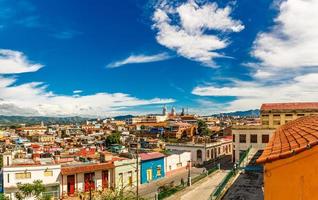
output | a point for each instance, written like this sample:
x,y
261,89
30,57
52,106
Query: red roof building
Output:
x,y
290,106
290,161
291,139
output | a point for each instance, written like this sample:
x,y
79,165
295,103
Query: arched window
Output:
x,y
208,154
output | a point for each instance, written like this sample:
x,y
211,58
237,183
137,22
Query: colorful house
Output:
x,y
291,161
152,167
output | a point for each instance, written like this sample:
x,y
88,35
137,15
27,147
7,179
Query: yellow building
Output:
x,y
275,114
291,161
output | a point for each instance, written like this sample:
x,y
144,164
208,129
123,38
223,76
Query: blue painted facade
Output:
x,y
154,165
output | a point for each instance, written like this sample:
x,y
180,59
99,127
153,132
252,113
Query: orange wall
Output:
x,y
293,178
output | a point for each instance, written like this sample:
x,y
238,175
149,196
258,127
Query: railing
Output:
x,y
216,194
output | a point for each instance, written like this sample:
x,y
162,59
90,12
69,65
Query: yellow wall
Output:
x,y
294,178
283,117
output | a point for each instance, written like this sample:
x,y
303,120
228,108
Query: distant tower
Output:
x,y
173,111
42,124
164,110
182,112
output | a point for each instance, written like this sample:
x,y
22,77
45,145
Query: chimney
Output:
x,y
105,156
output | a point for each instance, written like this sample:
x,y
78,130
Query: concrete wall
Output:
x,y
176,162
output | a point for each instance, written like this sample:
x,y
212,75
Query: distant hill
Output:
x,y
247,113
123,117
15,120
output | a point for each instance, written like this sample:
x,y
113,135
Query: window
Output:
x,y
130,178
219,150
300,115
242,138
265,138
264,115
158,170
24,175
48,173
288,115
8,178
233,138
253,138
121,179
276,122
265,122
276,115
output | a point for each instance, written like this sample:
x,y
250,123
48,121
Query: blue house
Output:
x,y
151,167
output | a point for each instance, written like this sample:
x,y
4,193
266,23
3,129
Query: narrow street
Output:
x,y
202,189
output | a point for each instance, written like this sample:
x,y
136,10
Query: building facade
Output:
x,y
201,153
14,173
177,161
152,167
272,116
125,174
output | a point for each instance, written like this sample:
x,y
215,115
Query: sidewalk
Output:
x,y
149,190
202,189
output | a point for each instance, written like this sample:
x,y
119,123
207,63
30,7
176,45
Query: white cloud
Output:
x,y
134,59
34,95
287,68
77,91
252,94
188,36
33,98
14,62
293,41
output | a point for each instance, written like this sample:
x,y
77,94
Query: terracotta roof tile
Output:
x,y
65,170
290,106
150,156
291,138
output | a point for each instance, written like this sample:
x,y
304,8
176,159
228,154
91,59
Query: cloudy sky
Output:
x,y
103,58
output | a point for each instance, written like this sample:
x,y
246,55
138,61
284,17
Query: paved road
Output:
x,y
202,189
149,190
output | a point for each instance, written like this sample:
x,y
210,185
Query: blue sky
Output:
x,y
101,58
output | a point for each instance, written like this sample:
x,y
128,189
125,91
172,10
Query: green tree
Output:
x,y
34,189
203,128
3,197
114,138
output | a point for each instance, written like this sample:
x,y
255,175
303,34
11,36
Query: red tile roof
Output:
x,y
291,138
290,106
65,170
150,156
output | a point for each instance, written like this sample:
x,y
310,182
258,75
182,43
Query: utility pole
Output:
x,y
137,163
189,173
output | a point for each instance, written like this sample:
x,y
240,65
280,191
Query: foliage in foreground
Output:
x,y
34,189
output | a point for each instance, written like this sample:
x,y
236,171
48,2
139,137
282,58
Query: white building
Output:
x,y
177,161
249,136
25,171
204,151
